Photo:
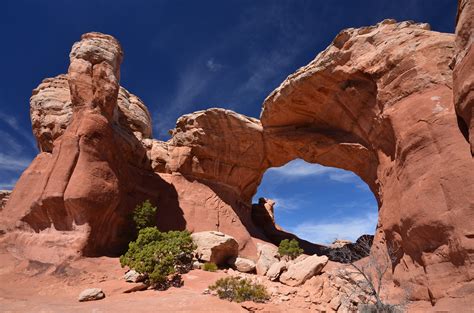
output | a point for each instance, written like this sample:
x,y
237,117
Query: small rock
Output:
x,y
136,288
197,265
267,255
133,276
242,264
275,270
206,291
91,294
285,298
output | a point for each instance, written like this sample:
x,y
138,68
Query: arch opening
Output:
x,y
322,207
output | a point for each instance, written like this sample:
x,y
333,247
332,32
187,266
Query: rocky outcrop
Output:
x,y
463,63
215,247
378,101
299,272
4,196
51,112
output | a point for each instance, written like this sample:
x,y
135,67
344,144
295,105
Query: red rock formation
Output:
x,y
378,101
463,76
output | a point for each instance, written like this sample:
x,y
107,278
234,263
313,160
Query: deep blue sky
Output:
x,y
182,56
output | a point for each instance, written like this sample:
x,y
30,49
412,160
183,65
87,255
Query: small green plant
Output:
x,y
239,290
290,248
159,255
209,266
144,215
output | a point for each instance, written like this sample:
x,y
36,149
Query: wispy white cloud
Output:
x,y
9,142
7,184
213,66
349,228
13,123
298,168
237,86
289,204
13,163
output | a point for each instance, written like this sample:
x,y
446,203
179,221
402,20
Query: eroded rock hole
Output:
x,y
324,208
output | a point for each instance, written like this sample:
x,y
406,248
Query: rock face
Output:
x,y
378,101
299,272
463,63
215,247
91,294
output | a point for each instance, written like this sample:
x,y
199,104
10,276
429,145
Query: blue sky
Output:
x,y
183,56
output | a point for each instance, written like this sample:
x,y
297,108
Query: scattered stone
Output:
x,y
267,255
133,276
139,287
206,291
276,269
298,273
91,294
242,264
197,265
216,247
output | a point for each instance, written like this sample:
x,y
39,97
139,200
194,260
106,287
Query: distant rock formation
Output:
x,y
378,101
4,196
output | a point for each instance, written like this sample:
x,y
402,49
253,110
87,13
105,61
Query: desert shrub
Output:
x,y
158,255
239,290
209,266
290,248
144,215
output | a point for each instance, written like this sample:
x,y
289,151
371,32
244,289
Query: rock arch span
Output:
x,y
378,101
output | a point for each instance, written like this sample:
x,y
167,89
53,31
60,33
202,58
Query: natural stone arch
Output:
x,y
378,102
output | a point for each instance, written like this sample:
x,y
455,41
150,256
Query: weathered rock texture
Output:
x,y
215,247
463,76
378,101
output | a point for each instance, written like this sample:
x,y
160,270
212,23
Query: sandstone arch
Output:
x,y
378,101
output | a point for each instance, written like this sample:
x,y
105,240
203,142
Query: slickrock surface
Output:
x,y
378,101
463,63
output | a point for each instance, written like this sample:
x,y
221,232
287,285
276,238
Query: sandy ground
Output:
x,y
31,286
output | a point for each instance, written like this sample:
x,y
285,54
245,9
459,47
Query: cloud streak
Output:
x,y
349,228
298,169
12,122
13,163
8,184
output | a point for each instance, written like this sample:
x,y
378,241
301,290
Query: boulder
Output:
x,y
91,294
276,269
267,256
242,264
298,273
214,246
